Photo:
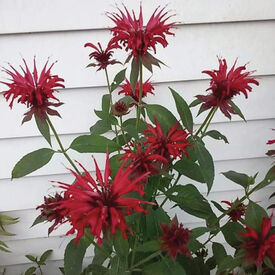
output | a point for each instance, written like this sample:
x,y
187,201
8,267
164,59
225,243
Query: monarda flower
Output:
x,y
50,210
238,212
120,108
102,204
33,90
258,245
147,88
225,85
172,144
102,57
175,238
143,161
131,34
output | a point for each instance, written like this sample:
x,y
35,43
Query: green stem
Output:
x,y
101,249
205,121
135,243
122,130
39,267
139,95
61,146
175,183
152,256
208,123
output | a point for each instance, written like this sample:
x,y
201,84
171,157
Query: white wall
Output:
x,y
60,28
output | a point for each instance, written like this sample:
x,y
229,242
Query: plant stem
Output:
x,y
139,95
205,121
40,269
121,127
208,123
152,256
135,243
61,146
101,249
175,183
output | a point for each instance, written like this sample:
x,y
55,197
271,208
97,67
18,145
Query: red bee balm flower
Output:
x,y
258,245
175,238
33,91
144,161
238,212
225,86
272,141
129,31
50,210
173,144
147,88
102,57
102,204
120,108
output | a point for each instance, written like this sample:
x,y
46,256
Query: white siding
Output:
x,y
60,28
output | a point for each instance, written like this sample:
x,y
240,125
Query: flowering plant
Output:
x,y
151,159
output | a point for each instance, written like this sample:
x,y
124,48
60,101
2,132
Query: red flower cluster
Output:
x,y
272,141
51,211
129,31
171,145
102,204
147,88
258,245
120,108
238,212
175,238
225,85
143,161
102,57
33,91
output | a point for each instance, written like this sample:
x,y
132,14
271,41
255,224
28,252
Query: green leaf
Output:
x,y
237,110
199,231
39,220
216,135
106,117
269,263
94,144
183,110
206,164
254,216
3,247
32,162
228,263
121,245
115,164
164,117
74,254
120,76
31,258
62,270
231,232
164,267
148,60
5,233
218,206
119,266
190,169
239,178
269,178
43,128
105,104
30,271
194,103
94,269
100,127
150,246
45,256
132,131
134,73
7,220
132,121
219,252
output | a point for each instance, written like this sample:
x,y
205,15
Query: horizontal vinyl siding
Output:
x,y
58,29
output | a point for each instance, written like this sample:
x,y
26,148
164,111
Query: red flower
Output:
x,y
102,57
258,245
225,86
147,88
50,210
175,238
130,33
173,144
33,91
120,108
102,204
235,214
272,141
144,161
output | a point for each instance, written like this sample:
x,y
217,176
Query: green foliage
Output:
x,y
269,178
237,110
43,128
31,162
239,178
231,232
120,76
100,127
134,73
216,135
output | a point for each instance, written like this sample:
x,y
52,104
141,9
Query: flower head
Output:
x,y
175,238
120,108
258,245
102,204
236,213
143,160
51,211
225,85
147,88
102,57
172,144
33,90
131,34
